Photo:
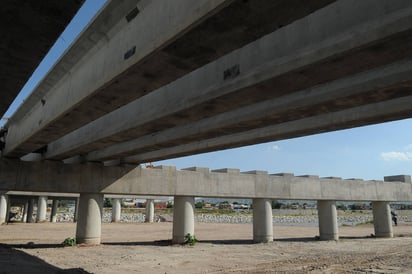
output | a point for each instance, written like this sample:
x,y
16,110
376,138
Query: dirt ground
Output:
x,y
223,248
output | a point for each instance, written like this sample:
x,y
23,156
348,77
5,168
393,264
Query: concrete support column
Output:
x,y
89,223
4,207
262,221
76,210
183,218
382,219
116,210
41,209
328,220
30,207
25,211
54,211
149,211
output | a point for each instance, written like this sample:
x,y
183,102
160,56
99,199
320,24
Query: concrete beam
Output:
x,y
349,118
99,56
311,43
362,84
134,47
167,181
49,176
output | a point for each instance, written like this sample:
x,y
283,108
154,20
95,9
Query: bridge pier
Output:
x,y
53,218
89,223
25,211
382,221
41,209
30,208
149,211
262,221
4,201
116,210
183,218
76,210
328,222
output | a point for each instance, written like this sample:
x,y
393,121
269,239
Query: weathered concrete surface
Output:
x,y
163,42
382,221
88,229
28,30
198,182
56,176
361,62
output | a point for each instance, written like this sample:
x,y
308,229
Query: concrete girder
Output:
x,y
167,181
384,78
56,176
363,115
115,61
106,61
312,44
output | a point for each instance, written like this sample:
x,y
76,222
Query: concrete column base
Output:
x,y
41,209
53,213
149,211
328,221
88,229
262,221
4,201
382,221
183,218
116,210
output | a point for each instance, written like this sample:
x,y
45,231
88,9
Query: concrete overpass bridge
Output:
x,y
150,80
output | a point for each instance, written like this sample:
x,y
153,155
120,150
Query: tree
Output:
x,y
199,204
107,202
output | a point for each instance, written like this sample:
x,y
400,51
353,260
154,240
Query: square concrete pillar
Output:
x,y
382,220
149,211
262,220
89,223
4,207
116,210
328,220
183,218
41,209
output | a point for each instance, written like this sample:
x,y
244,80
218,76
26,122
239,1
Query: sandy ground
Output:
x,y
223,248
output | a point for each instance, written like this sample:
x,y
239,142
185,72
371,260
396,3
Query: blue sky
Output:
x,y
369,152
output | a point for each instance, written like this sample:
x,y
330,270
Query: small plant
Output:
x,y
69,241
190,239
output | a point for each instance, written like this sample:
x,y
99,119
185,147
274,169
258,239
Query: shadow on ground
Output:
x,y
16,261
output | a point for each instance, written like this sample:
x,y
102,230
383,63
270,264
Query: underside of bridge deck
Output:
x,y
234,73
28,29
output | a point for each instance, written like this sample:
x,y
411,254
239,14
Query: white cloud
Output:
x,y
396,156
274,147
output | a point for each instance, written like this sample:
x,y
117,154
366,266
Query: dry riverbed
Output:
x,y
223,248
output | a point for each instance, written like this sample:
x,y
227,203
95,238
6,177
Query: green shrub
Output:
x,y
69,241
190,239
